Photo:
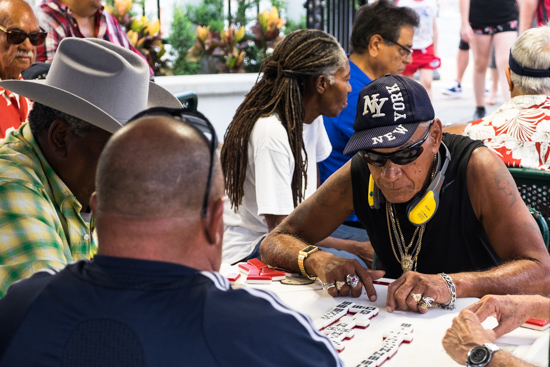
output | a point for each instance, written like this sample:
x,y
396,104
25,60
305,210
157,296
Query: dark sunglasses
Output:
x,y
400,157
198,121
16,37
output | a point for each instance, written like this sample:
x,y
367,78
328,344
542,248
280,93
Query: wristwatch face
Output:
x,y
310,249
478,355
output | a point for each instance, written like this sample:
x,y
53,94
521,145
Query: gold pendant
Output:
x,y
406,263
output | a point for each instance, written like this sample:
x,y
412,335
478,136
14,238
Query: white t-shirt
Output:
x,y
427,11
267,186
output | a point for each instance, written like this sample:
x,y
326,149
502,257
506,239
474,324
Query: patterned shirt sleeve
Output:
x,y
29,235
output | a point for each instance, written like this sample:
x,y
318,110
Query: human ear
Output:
x,y
374,45
321,84
58,135
213,222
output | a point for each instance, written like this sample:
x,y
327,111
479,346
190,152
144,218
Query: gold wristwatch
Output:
x,y
302,255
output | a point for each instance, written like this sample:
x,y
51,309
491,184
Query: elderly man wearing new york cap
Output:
x,y
47,167
443,213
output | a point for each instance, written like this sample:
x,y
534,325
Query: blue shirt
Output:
x,y
340,128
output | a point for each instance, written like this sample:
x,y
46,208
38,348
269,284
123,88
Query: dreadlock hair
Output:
x,y
303,55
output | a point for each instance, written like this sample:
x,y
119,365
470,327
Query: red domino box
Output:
x,y
233,277
258,279
257,263
536,324
247,269
274,274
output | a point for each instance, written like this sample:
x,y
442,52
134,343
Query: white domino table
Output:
x,y
424,350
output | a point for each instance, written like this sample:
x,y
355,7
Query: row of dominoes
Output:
x,y
392,339
339,322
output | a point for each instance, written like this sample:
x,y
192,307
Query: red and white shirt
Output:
x,y
13,111
518,132
56,18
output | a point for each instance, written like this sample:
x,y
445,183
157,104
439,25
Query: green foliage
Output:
x,y
242,8
182,38
209,13
195,51
291,25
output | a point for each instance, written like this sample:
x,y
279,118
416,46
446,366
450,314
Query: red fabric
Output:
x,y
542,12
13,111
518,132
423,59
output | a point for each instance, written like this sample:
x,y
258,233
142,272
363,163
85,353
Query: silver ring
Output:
x,y
352,280
429,302
327,286
339,285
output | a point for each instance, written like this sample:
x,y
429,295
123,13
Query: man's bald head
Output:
x,y
7,7
156,167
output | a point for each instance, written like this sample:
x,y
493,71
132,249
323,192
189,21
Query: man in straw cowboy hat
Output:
x,y
47,167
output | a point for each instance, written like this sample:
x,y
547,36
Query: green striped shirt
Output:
x,y
40,222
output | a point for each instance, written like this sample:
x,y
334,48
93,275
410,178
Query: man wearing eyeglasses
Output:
x,y
381,41
152,296
19,36
47,167
442,211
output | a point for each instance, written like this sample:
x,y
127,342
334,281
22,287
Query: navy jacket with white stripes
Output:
x,y
127,312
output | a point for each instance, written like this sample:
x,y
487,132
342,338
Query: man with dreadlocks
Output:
x,y
276,138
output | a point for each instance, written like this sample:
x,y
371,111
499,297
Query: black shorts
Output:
x,y
511,26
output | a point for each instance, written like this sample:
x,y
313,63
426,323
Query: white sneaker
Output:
x,y
454,91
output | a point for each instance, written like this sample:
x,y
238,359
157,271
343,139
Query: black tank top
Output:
x,y
454,239
485,13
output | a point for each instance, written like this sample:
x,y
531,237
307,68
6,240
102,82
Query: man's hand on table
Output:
x,y
332,269
465,334
511,311
410,291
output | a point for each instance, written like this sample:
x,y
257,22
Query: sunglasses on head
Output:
x,y
16,37
400,157
198,121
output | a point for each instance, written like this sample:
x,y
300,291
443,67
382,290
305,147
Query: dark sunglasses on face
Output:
x,y
400,157
16,37
198,121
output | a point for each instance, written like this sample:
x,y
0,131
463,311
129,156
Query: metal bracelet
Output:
x,y
450,305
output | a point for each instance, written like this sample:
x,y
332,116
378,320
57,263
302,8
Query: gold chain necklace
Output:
x,y
408,260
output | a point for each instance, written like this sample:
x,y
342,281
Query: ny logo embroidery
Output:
x,y
374,105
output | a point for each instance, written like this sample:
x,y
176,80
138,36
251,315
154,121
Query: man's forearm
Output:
x,y
505,359
515,277
280,249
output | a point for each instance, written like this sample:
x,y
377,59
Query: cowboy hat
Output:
x,y
95,81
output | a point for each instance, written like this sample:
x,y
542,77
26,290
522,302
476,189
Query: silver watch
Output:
x,y
481,355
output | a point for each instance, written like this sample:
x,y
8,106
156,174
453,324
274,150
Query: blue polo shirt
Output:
x,y
340,128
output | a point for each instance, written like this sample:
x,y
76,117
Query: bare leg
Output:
x,y
491,97
426,78
462,59
503,42
481,47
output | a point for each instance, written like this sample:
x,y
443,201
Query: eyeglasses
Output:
x,y
407,50
400,157
198,121
16,37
